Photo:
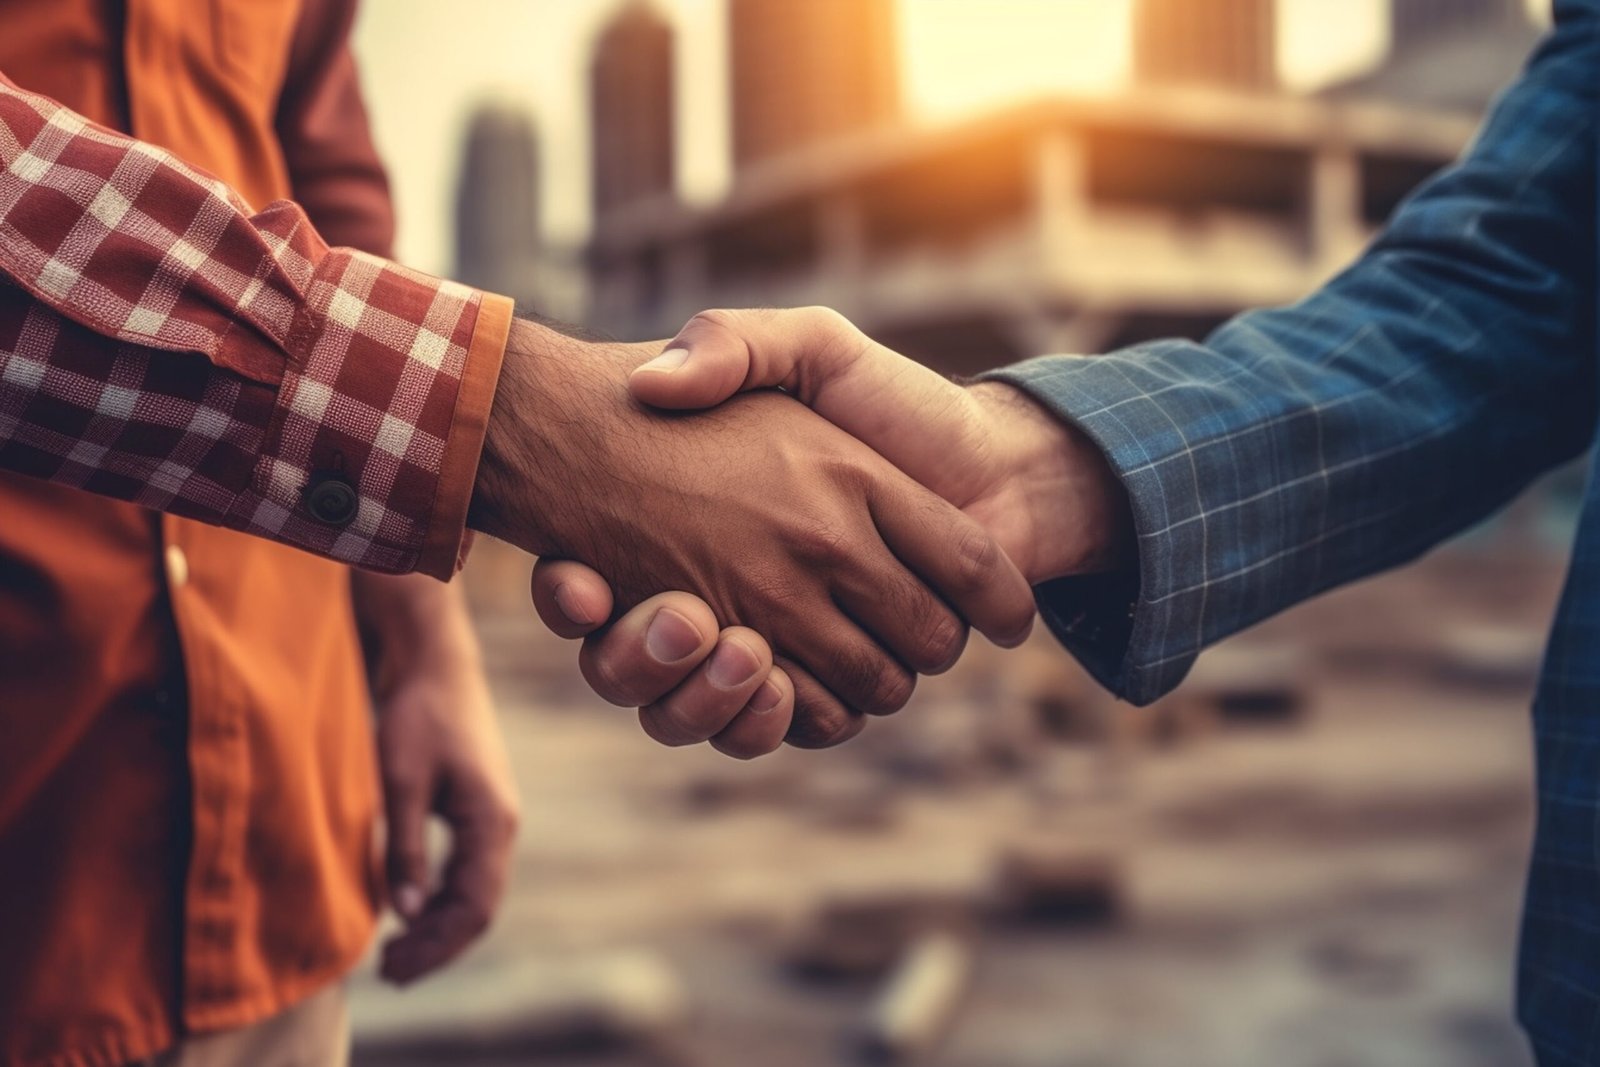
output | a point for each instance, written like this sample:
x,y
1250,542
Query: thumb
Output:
x,y
720,353
894,405
406,850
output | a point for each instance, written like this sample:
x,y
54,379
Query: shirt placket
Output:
x,y
219,777
219,773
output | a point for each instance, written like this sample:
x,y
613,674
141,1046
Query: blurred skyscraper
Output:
x,y
497,203
804,71
1453,54
1227,43
1416,23
631,94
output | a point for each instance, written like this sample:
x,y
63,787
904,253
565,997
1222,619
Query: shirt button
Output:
x,y
177,566
331,501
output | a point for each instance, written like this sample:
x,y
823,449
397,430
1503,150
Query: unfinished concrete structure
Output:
x,y
1068,224
1059,226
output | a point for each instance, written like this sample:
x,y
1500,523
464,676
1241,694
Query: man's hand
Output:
x,y
781,523
440,753
667,658
1041,488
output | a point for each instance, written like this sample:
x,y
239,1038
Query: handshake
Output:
x,y
757,572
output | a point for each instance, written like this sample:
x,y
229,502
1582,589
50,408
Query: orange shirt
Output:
x,y
187,790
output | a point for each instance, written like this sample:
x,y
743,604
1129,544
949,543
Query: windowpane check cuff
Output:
x,y
1300,448
1120,625
162,343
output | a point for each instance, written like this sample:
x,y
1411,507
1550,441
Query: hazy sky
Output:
x,y
426,63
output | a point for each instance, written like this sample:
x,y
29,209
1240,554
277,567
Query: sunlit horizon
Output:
x,y
957,57
961,57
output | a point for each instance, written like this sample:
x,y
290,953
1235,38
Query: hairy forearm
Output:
x,y
556,416
527,407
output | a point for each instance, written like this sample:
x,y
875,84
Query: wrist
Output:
x,y
415,630
1074,508
517,477
496,474
444,665
562,433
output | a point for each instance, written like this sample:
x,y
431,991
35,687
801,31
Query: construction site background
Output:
x,y
1311,854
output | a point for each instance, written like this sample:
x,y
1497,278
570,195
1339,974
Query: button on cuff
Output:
x,y
331,501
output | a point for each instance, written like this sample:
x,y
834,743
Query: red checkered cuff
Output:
x,y
161,343
354,461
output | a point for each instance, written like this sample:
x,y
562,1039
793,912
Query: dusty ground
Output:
x,y
1334,891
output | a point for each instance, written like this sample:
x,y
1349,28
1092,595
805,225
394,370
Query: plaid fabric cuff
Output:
x,y
353,461
1114,623
161,343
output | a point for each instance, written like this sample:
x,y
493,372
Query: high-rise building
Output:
x,y
805,71
497,201
1226,43
631,96
1414,23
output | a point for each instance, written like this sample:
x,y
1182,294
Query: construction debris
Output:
x,y
1249,684
1065,703
1060,885
1484,655
861,936
920,1001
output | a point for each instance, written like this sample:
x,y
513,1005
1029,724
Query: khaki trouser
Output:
x,y
312,1033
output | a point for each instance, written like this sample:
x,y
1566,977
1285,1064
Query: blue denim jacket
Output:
x,y
1302,447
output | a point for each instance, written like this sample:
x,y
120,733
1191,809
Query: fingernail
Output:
x,y
767,698
668,361
671,637
732,665
567,601
408,901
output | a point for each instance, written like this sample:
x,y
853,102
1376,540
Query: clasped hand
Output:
x,y
779,571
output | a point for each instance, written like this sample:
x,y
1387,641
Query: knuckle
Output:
x,y
715,318
609,679
663,728
873,682
846,469
774,587
829,327
695,722
821,540
893,692
823,319
820,728
942,639
977,554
